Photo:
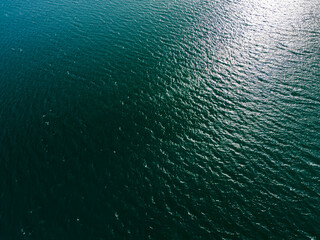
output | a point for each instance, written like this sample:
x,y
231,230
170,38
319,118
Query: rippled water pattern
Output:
x,y
145,119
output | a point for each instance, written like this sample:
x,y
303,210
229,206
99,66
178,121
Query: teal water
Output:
x,y
146,119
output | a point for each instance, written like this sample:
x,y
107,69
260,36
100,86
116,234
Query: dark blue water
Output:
x,y
147,119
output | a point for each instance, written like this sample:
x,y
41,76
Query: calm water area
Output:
x,y
159,119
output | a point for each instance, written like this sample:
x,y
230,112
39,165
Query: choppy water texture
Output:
x,y
178,119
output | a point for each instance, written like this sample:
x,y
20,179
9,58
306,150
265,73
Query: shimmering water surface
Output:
x,y
160,119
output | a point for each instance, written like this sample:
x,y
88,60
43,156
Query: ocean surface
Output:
x,y
159,119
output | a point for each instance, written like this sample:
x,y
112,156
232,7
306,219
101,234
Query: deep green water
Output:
x,y
145,119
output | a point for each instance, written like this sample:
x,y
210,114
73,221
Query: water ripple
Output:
x,y
159,119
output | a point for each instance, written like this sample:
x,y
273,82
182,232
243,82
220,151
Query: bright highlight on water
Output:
x,y
146,119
